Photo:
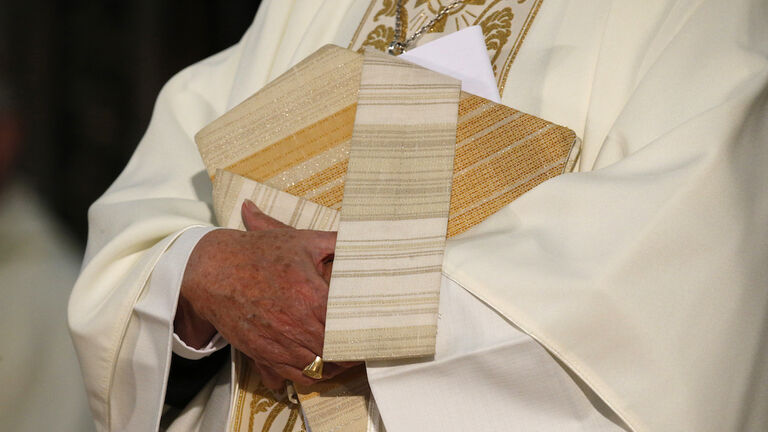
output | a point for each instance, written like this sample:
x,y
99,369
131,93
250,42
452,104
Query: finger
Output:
x,y
302,342
308,336
293,369
297,328
293,374
303,357
256,220
330,370
327,270
289,348
321,244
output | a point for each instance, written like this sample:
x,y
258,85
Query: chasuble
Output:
x,y
642,274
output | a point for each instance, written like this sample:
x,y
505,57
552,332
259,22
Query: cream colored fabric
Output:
x,y
644,276
383,294
483,366
149,331
651,293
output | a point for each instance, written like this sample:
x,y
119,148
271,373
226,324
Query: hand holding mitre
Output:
x,y
265,290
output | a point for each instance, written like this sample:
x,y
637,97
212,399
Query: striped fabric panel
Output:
x,y
394,216
502,153
318,95
339,405
230,190
305,144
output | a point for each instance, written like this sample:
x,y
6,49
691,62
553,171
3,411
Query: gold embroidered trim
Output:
x,y
505,24
259,409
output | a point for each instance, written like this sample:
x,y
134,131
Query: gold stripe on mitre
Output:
x,y
287,148
501,152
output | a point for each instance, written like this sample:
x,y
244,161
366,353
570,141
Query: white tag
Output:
x,y
461,55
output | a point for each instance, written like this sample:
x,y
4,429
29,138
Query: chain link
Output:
x,y
397,46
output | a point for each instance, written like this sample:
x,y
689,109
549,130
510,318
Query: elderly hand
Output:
x,y
265,290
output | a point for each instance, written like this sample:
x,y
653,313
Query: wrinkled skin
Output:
x,y
265,290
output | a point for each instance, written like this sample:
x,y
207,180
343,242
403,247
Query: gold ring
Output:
x,y
315,369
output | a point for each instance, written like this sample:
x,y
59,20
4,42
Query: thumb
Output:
x,y
256,220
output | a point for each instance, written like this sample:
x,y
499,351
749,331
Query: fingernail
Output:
x,y
250,206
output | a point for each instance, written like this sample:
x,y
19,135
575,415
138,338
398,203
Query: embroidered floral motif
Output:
x,y
258,408
379,38
388,10
496,28
504,23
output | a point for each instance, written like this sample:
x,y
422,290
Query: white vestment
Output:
x,y
643,275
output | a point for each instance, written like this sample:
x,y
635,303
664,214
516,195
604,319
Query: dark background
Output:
x,y
78,80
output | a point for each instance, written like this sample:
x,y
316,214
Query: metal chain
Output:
x,y
397,47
